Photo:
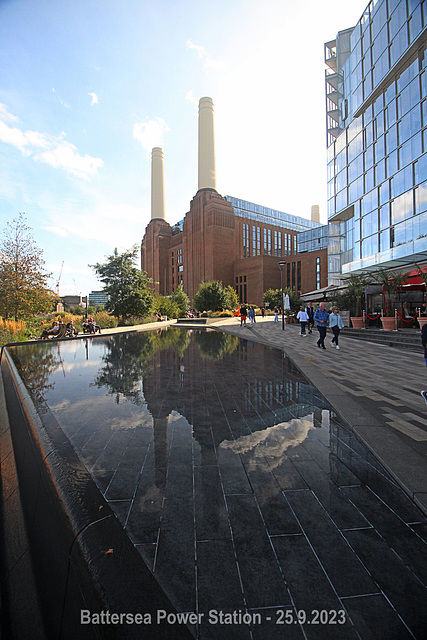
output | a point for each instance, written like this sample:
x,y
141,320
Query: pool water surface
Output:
x,y
237,483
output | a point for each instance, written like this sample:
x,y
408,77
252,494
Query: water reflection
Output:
x,y
216,449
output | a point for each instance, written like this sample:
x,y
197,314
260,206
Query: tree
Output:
x,y
23,279
274,298
210,297
166,306
182,300
391,282
232,299
356,287
126,286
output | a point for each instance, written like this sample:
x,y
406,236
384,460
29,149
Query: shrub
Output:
x,y
105,320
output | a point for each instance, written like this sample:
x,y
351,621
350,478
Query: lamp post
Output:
x,y
282,264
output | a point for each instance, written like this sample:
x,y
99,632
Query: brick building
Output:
x,y
226,239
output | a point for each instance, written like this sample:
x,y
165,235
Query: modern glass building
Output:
x,y
376,110
265,215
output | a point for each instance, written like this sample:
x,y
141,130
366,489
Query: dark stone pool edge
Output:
x,y
63,549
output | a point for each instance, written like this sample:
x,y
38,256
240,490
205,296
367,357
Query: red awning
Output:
x,y
414,278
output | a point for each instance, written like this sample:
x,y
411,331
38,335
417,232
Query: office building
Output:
x,y
376,112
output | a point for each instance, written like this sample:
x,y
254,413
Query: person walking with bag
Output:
x,y
336,324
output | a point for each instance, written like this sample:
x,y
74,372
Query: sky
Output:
x,y
89,87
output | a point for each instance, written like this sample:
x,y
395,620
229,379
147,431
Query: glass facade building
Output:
x,y
376,110
265,215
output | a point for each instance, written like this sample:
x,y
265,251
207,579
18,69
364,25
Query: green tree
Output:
x,y
356,284
23,279
210,297
274,298
126,286
232,299
391,282
166,306
182,300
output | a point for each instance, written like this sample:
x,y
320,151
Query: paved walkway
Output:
x,y
374,388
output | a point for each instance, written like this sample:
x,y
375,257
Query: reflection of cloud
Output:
x,y
150,133
69,366
52,150
101,410
272,442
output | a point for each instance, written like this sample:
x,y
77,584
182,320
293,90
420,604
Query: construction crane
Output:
x,y
59,279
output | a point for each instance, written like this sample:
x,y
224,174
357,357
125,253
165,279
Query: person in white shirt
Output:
x,y
303,319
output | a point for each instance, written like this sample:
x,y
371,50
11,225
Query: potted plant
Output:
x,y
423,275
356,285
390,282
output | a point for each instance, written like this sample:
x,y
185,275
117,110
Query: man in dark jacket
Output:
x,y
424,342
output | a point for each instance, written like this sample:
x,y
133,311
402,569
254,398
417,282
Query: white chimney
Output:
x,y
157,185
207,173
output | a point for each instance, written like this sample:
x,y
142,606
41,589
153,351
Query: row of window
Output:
x,y
272,242
378,44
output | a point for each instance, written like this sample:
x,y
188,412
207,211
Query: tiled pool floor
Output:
x,y
239,486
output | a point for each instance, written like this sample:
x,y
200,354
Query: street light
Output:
x,y
282,264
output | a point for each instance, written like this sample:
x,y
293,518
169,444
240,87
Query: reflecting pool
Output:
x,y
236,482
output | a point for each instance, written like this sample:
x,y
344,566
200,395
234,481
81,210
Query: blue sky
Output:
x,y
88,87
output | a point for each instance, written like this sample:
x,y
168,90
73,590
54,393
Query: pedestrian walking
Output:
x,y
276,314
243,314
336,323
310,313
321,318
424,343
251,314
303,319
262,312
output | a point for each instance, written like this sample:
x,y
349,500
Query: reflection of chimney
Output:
x,y
315,213
157,185
207,174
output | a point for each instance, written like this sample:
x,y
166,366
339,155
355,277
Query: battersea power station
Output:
x,y
223,238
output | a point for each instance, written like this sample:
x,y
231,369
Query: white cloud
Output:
x,y
64,156
202,54
57,152
150,133
94,98
5,116
190,97
62,233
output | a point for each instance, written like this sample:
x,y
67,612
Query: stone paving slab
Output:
x,y
374,388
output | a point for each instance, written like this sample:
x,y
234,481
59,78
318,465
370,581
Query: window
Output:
x,y
179,256
317,273
299,275
245,240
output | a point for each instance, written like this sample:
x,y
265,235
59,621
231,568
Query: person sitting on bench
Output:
x,y
71,329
